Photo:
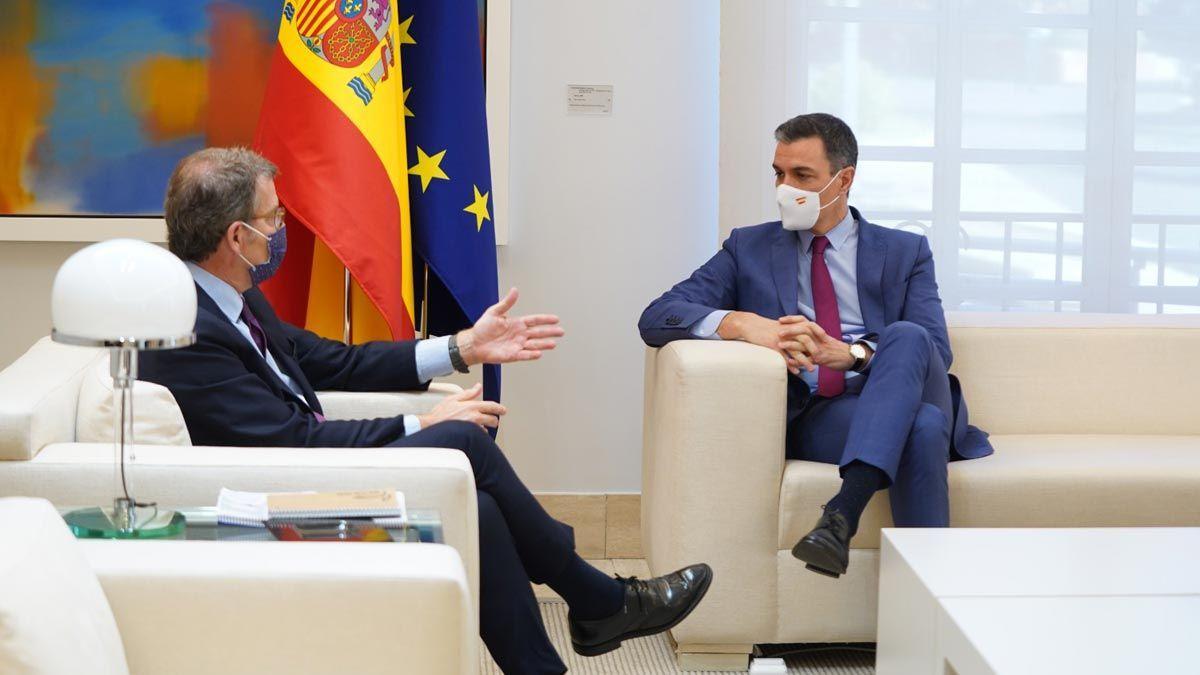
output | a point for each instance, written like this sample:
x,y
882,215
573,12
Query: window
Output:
x,y
1049,149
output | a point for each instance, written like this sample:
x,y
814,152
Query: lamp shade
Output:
x,y
123,290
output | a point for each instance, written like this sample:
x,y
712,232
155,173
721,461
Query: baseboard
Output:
x,y
606,525
733,663
719,657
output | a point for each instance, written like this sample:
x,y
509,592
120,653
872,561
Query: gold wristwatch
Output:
x,y
862,353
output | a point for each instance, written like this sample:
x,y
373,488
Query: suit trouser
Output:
x,y
896,417
518,543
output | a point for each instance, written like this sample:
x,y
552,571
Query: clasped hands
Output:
x,y
495,338
802,343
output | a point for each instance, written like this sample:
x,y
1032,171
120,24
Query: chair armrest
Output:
x,y
711,470
39,394
274,607
364,405
81,474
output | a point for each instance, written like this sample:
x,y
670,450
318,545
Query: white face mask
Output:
x,y
798,209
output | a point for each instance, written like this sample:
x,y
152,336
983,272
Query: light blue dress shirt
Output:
x,y
841,257
433,355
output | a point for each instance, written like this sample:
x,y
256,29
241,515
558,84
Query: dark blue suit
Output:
x,y
918,417
230,396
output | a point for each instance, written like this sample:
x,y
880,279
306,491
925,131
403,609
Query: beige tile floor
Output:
x,y
626,567
654,655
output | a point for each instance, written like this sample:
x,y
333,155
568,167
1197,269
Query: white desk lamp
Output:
x,y
128,296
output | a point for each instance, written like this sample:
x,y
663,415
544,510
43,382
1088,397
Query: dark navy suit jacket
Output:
x,y
230,396
757,270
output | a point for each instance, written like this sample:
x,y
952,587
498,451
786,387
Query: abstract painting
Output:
x,y
103,97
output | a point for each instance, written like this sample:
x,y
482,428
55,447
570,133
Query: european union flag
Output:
x,y
450,182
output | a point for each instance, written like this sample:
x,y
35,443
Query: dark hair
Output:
x,y
208,190
840,145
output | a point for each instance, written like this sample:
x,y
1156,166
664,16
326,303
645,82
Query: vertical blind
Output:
x,y
1049,149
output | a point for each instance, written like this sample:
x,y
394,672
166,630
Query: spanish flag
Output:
x,y
333,121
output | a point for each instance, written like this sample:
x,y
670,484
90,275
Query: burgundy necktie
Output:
x,y
260,340
256,330
830,382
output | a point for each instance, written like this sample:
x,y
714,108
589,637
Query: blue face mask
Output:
x,y
276,249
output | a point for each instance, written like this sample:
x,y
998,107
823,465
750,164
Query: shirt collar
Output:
x,y
837,236
227,298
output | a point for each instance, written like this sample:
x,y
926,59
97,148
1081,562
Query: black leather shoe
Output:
x,y
651,606
827,548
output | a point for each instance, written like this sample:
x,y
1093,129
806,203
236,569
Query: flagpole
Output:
x,y
346,307
425,306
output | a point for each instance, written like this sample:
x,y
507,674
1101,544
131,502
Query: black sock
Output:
x,y
590,593
859,482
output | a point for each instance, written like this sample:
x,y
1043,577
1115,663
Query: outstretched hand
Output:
x,y
500,338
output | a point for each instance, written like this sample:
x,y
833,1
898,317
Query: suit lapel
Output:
x,y
207,304
872,253
785,267
289,366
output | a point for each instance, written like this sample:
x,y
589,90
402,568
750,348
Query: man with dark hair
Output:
x,y
250,380
853,310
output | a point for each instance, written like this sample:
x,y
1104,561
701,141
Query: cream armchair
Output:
x,y
179,607
1092,417
49,400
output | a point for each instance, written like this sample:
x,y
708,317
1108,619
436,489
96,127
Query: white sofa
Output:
x,y
40,456
177,607
1093,418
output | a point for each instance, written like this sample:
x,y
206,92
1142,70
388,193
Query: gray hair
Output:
x,y
840,145
209,190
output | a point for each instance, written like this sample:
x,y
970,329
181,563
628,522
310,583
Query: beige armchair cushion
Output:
x,y
1064,374
358,405
157,419
266,607
1032,481
54,616
39,393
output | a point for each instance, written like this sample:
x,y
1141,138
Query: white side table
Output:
x,y
1076,634
1039,601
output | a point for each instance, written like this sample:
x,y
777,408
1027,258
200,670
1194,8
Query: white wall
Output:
x,y
751,107
606,212
26,273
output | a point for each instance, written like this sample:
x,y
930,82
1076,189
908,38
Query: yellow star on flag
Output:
x,y
428,168
405,37
407,112
479,208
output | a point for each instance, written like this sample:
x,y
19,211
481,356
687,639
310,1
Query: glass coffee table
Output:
x,y
422,526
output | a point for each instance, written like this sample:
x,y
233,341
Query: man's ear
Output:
x,y
847,178
234,233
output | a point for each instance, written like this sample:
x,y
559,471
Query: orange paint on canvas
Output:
x,y
170,94
237,77
27,99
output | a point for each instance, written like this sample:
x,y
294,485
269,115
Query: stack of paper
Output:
x,y
252,509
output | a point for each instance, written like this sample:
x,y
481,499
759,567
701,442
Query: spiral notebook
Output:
x,y
252,509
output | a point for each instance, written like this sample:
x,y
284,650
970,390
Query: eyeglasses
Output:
x,y
276,217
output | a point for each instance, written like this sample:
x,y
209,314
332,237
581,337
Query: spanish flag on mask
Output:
x,y
333,121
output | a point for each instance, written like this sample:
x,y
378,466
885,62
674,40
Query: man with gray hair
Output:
x,y
250,380
852,309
